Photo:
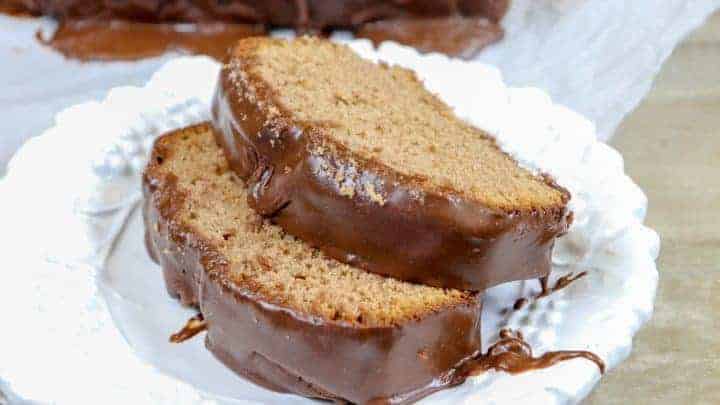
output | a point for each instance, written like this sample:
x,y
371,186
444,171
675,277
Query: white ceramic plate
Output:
x,y
90,316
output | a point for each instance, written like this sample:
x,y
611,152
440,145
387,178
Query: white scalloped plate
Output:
x,y
91,317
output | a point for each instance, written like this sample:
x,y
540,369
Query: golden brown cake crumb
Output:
x,y
263,260
384,115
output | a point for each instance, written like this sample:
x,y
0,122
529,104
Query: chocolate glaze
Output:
x,y
456,36
294,13
519,303
288,351
561,283
14,9
144,28
194,325
546,290
514,355
440,239
123,40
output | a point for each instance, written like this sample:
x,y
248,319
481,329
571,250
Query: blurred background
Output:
x,y
671,145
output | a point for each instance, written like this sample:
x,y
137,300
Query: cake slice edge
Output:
x,y
284,349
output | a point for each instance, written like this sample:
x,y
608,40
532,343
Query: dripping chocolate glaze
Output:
x,y
123,40
561,283
194,325
514,355
546,290
228,337
462,37
318,14
146,28
290,352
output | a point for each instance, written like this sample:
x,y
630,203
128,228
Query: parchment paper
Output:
x,y
598,57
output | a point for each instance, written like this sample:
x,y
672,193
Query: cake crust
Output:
x,y
267,340
389,222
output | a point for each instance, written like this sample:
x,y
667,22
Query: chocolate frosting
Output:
x,y
296,13
546,289
194,326
145,28
462,37
560,283
95,39
514,355
124,40
287,351
440,239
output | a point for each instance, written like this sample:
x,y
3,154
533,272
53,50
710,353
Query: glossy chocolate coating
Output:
x,y
128,40
438,239
512,354
297,13
462,37
287,351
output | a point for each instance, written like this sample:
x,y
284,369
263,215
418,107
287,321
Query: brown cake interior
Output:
x,y
385,114
264,261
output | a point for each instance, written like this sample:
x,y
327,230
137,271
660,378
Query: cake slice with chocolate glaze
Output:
x,y
281,313
361,161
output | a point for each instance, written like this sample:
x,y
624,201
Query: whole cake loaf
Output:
x,y
361,161
281,313
298,13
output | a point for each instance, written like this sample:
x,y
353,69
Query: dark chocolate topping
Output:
x,y
438,240
123,40
519,303
194,325
93,39
295,13
145,28
546,290
288,351
561,283
293,351
457,36
513,355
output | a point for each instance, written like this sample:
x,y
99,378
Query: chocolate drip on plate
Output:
x,y
462,37
124,40
546,290
131,30
514,355
194,325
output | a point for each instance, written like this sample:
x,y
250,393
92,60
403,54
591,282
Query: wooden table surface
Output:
x,y
671,145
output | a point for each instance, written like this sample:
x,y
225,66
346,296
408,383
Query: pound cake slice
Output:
x,y
281,313
361,161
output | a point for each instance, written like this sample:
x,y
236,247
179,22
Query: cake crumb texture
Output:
x,y
384,114
262,260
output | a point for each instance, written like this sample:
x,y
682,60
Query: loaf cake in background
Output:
x,y
361,161
279,312
128,30
293,13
